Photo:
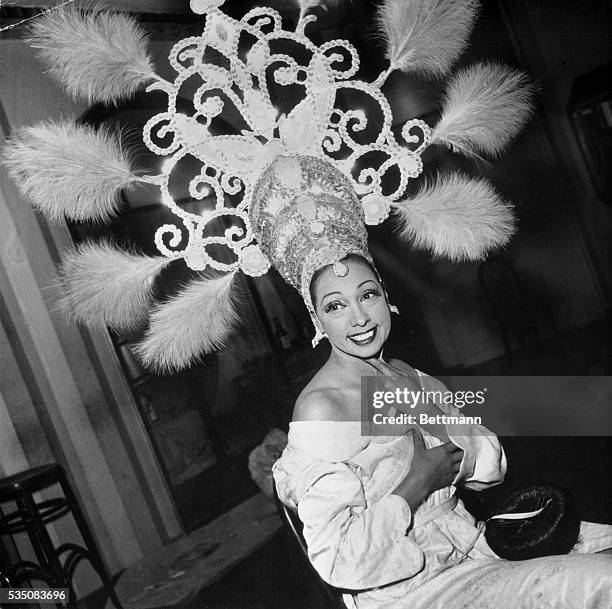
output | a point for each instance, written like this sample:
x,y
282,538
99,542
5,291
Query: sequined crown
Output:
x,y
232,164
306,215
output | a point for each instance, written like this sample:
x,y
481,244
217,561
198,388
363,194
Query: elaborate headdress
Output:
x,y
297,187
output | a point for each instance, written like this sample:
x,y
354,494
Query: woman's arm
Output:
x,y
353,545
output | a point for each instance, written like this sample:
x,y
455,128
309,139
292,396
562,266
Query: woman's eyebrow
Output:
x,y
329,294
362,283
366,281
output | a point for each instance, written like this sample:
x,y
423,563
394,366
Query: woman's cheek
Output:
x,y
331,323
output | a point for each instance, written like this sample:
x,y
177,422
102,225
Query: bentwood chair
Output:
x,y
55,564
293,526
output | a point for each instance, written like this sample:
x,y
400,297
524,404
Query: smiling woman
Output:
x,y
381,517
352,307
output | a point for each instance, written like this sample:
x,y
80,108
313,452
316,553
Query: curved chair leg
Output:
x,y
30,574
93,553
38,534
76,554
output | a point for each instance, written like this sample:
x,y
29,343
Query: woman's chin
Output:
x,y
365,351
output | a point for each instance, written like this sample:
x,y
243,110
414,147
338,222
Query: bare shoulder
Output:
x,y
329,397
319,404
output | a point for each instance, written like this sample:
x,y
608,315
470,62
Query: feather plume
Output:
x,y
485,106
100,56
196,321
103,285
69,170
457,217
426,35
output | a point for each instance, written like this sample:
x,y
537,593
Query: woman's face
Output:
x,y
353,309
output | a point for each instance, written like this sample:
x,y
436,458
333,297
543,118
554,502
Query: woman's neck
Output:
x,y
351,365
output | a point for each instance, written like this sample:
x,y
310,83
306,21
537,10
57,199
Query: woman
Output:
x,y
380,515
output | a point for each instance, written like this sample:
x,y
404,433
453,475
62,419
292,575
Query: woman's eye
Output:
x,y
330,307
369,294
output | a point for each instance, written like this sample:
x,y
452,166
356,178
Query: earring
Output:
x,y
320,334
392,307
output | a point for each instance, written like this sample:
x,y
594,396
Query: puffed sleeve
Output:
x,y
353,545
484,460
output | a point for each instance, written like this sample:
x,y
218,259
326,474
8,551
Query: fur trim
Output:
x,y
196,321
426,35
457,217
98,56
69,170
103,285
485,106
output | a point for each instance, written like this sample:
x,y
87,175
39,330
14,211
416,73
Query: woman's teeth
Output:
x,y
364,338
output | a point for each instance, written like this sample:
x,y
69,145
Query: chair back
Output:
x,y
293,525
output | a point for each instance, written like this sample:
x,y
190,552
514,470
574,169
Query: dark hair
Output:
x,y
553,531
318,273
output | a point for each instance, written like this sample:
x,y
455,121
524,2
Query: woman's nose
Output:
x,y
359,317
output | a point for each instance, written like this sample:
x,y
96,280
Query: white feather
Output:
x,y
196,321
485,106
98,56
103,285
457,216
71,170
426,35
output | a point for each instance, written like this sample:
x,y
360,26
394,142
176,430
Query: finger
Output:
x,y
457,457
375,363
450,447
396,370
417,439
386,369
380,366
456,451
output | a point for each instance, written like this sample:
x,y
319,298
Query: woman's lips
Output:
x,y
364,338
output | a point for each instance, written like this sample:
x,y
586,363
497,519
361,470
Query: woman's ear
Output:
x,y
392,307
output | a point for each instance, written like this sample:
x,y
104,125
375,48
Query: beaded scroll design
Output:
x,y
239,64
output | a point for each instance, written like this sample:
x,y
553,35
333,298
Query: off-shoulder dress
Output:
x,y
366,540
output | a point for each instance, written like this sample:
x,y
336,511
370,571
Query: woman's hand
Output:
x,y
399,378
408,381
431,469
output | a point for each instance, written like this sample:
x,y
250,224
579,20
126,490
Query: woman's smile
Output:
x,y
364,338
